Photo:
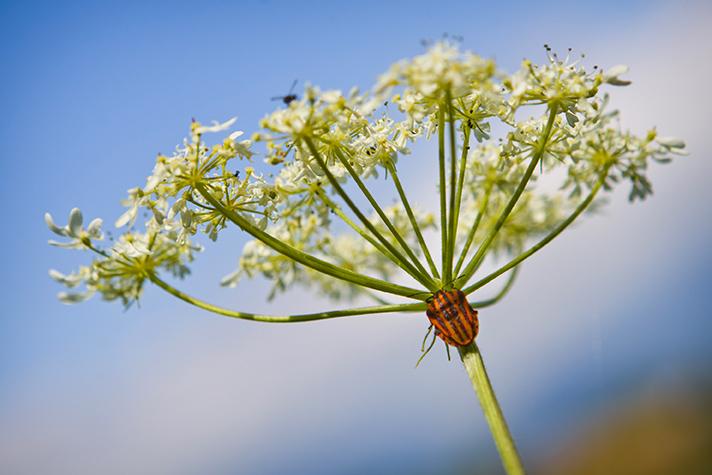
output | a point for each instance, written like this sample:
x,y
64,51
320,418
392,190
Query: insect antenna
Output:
x,y
447,349
291,89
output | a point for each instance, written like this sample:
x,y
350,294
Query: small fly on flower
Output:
x,y
287,99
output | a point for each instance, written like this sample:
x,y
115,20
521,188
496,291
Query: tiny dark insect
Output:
x,y
453,317
289,97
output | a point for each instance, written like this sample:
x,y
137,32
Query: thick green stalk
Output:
x,y
482,250
546,240
443,190
310,261
411,216
305,317
472,359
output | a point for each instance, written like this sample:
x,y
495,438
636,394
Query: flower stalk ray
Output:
x,y
309,260
413,221
482,250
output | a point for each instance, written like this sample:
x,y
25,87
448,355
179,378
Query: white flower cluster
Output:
x,y
171,191
317,144
562,83
442,72
120,271
310,234
340,128
176,212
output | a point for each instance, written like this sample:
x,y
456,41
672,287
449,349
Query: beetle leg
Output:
x,y
447,349
432,343
425,338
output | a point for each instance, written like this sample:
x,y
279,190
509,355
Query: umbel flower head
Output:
x,y
503,139
498,135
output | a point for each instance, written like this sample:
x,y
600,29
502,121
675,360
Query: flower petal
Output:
x,y
75,222
611,76
616,71
233,136
73,244
94,228
672,142
71,280
231,279
139,249
53,227
128,217
216,127
74,297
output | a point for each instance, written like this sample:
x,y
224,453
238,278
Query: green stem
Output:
x,y
453,191
421,277
336,209
443,190
472,359
310,261
473,229
305,317
403,261
411,216
429,282
460,186
482,250
546,240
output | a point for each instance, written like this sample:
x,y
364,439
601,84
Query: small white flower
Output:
x,y
80,237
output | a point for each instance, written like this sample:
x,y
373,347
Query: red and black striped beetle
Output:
x,y
453,317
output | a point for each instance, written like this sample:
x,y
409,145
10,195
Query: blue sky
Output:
x,y
93,91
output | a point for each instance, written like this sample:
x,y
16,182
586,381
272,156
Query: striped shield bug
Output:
x,y
453,317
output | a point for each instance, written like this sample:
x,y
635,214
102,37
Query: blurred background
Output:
x,y
600,355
